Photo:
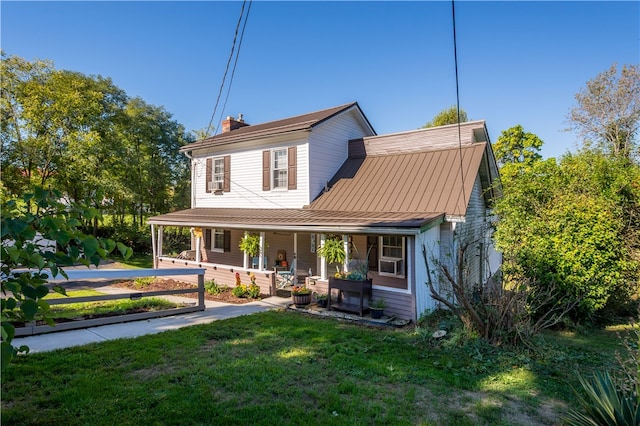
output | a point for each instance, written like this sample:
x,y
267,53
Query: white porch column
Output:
x,y
154,248
198,233
295,258
261,264
323,261
245,257
160,236
345,242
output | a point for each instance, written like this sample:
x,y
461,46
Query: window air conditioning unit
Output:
x,y
215,186
391,266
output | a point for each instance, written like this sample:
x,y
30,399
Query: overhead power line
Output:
x,y
233,50
455,58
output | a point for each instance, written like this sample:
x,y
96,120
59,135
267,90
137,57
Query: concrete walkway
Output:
x,y
214,311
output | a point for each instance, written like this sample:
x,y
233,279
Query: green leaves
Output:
x,y
564,224
24,246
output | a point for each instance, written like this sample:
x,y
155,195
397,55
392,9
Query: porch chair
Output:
x,y
285,278
255,260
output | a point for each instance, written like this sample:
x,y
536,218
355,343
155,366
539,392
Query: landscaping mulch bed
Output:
x,y
160,284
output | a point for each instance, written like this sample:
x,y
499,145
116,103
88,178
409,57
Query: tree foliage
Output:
x,y
85,137
447,116
516,148
607,114
47,236
571,225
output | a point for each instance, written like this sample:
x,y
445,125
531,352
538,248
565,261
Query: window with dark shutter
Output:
x,y
227,241
266,170
292,184
207,238
208,176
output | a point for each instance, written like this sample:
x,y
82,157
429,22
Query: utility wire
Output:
x,y
455,56
233,71
233,46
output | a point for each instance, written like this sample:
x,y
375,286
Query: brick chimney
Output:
x,y
232,124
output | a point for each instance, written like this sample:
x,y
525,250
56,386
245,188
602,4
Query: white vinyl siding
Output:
x,y
246,180
328,148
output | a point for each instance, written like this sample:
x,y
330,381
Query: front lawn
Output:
x,y
281,367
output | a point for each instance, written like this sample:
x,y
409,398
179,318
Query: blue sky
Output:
x,y
518,62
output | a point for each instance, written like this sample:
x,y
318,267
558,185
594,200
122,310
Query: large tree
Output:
x,y
514,145
85,137
447,116
607,114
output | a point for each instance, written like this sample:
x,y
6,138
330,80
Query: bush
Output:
x,y
212,287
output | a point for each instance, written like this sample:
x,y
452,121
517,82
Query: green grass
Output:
x,y
137,260
75,310
281,367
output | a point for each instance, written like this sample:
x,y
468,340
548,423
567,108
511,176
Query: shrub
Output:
x,y
212,287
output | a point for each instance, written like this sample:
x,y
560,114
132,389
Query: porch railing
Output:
x,y
111,274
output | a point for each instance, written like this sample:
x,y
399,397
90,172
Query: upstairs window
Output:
x,y
218,174
279,169
392,258
218,177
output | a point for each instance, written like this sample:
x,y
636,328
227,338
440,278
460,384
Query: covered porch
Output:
x,y
289,241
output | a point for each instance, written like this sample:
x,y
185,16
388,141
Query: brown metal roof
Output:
x,y
293,219
409,183
291,124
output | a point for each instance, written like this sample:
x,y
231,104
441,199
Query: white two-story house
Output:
x,y
393,199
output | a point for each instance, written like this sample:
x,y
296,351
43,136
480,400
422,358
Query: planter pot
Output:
x,y
322,303
301,300
376,313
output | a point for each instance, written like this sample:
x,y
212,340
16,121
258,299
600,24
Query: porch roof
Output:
x,y
300,220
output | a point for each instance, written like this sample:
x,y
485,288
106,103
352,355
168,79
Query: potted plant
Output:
x,y
250,244
377,307
333,252
321,300
301,296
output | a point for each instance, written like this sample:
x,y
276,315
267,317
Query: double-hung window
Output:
x,y
217,240
218,174
392,258
279,169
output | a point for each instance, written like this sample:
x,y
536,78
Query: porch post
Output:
x,y
345,242
198,233
261,264
245,256
323,261
160,236
295,258
153,247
